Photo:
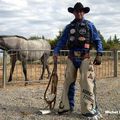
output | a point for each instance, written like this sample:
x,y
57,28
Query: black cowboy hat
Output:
x,y
78,6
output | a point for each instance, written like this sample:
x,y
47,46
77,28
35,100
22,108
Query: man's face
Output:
x,y
79,14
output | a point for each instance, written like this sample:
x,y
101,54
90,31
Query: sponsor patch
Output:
x,y
61,106
88,98
91,68
87,45
81,38
90,76
82,31
72,38
87,92
72,31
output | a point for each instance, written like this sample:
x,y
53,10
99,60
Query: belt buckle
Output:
x,y
77,54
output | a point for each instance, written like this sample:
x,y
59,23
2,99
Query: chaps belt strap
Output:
x,y
78,54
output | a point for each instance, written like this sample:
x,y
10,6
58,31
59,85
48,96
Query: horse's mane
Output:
x,y
13,36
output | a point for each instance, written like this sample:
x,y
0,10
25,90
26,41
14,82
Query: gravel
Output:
x,y
19,102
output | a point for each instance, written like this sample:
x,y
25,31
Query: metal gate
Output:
x,y
110,67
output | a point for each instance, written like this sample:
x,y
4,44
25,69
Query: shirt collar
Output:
x,y
78,20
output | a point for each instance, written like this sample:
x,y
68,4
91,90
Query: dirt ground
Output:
x,y
18,102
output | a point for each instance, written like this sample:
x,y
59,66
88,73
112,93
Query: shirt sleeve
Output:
x,y
96,38
62,41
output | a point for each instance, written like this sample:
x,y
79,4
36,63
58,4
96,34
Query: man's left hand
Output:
x,y
97,60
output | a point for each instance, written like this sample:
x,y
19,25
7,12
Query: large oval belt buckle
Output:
x,y
77,54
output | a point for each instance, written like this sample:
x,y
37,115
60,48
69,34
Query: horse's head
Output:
x,y
8,42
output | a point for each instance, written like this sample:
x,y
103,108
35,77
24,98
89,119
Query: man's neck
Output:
x,y
79,20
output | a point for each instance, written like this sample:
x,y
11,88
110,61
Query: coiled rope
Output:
x,y
51,99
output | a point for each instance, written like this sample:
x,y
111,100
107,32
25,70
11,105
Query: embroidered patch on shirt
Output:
x,y
81,38
72,31
72,38
87,45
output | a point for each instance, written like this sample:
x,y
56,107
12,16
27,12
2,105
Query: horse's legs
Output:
x,y
47,66
13,61
48,70
24,65
44,61
43,68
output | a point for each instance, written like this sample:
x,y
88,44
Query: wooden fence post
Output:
x,y
4,69
115,63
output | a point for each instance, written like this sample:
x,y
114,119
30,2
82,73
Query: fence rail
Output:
x,y
110,66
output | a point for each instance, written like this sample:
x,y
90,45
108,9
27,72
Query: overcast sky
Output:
x,y
47,17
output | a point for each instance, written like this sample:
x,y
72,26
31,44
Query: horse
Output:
x,y
20,48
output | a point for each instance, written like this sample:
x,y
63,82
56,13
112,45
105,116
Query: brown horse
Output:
x,y
19,48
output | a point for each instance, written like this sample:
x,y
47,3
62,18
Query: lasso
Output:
x,y
51,99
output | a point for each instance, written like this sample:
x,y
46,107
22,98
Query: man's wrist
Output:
x,y
99,53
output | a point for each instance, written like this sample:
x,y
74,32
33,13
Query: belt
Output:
x,y
79,54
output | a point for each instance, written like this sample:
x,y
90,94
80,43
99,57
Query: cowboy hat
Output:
x,y
78,6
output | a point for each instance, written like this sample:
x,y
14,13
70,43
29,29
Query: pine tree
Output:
x,y
116,40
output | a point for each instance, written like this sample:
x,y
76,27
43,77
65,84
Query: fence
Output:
x,y
110,66
117,67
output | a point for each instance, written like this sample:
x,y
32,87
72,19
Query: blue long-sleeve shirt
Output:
x,y
94,37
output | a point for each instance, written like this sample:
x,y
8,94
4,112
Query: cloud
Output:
x,y
14,4
40,17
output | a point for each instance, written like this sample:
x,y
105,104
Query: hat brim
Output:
x,y
85,9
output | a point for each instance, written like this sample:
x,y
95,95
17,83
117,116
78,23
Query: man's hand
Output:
x,y
55,59
97,60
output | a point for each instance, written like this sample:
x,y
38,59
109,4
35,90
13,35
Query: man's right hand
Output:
x,y
55,57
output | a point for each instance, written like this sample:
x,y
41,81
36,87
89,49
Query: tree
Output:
x,y
103,40
54,41
116,40
114,43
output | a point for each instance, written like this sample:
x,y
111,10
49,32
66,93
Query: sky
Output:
x,y
46,17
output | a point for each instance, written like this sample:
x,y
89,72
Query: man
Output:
x,y
78,36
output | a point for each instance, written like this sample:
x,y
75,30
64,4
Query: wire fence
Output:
x,y
110,66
